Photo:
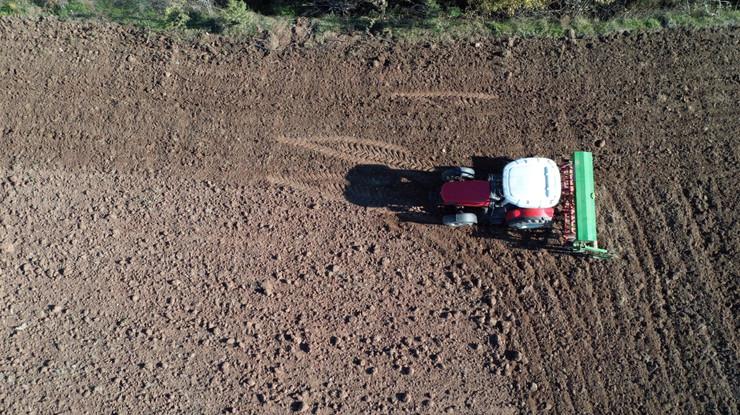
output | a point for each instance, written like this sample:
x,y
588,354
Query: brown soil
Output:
x,y
208,226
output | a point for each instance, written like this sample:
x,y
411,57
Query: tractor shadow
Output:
x,y
413,196
407,193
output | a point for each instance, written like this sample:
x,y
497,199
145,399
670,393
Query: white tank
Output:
x,y
532,183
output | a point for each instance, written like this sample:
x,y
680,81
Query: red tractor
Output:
x,y
524,196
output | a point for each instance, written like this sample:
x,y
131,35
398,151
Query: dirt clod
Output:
x,y
224,367
8,248
266,287
297,406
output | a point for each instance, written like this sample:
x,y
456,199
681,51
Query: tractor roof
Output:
x,y
532,182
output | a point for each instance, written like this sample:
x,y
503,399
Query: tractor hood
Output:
x,y
532,183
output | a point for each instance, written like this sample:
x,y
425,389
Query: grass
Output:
x,y
237,20
14,8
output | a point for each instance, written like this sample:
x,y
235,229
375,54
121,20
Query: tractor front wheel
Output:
x,y
529,218
527,224
460,219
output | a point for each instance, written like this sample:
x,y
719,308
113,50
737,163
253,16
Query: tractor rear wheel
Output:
x,y
458,173
460,219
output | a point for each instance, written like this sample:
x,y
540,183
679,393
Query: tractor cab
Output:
x,y
531,183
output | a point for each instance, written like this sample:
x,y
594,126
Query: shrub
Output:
x,y
51,4
509,7
237,19
346,7
235,13
176,16
12,8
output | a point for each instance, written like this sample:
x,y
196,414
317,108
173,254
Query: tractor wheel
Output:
x,y
530,223
458,173
529,218
460,219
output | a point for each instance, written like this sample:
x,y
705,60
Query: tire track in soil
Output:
x,y
526,332
609,203
359,142
669,254
643,245
590,306
390,156
569,317
680,230
687,234
357,151
624,306
705,274
327,186
567,399
670,337
444,94
582,402
332,186
616,319
538,304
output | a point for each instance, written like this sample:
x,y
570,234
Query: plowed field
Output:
x,y
210,226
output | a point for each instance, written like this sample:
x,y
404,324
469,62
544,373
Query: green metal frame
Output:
x,y
585,205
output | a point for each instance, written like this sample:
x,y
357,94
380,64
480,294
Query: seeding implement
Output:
x,y
524,196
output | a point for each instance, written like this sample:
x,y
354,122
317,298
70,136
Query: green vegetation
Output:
x,y
510,7
407,19
11,8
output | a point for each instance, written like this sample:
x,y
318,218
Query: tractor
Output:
x,y
524,195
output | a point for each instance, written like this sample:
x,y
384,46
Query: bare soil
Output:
x,y
212,226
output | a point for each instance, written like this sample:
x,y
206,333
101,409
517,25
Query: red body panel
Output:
x,y
529,213
471,193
